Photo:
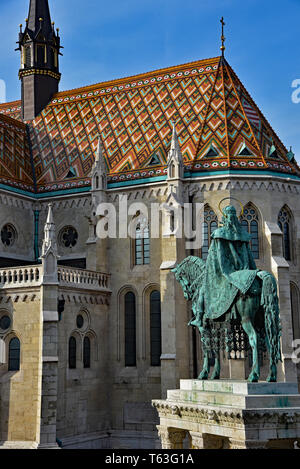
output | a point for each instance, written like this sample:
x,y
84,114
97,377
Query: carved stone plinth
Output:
x,y
228,414
171,438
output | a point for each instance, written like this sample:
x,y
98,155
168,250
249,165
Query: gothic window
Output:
x,y
142,244
68,237
14,354
53,57
86,352
5,322
210,224
40,53
72,353
155,328
249,221
130,329
79,321
284,222
294,292
172,221
27,56
8,235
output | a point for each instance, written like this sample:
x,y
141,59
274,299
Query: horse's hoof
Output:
x,y
203,375
271,379
253,378
215,376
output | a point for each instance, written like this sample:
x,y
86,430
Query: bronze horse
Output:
x,y
255,306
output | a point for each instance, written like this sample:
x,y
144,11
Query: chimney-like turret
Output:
x,y
39,45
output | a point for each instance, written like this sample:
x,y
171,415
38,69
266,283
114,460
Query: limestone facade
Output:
x,y
108,403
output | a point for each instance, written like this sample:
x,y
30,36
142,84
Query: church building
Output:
x,y
93,329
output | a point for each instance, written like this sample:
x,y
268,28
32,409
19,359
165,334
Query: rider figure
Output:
x,y
230,268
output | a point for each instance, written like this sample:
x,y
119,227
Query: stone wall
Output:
x,y
20,407
19,212
84,396
71,211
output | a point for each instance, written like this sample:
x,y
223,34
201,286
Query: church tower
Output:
x,y
39,45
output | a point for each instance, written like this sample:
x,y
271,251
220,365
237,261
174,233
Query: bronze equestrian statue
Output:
x,y
229,289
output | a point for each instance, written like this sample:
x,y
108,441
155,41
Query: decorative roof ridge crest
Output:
x,y
87,88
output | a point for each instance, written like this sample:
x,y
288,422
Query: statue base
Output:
x,y
230,414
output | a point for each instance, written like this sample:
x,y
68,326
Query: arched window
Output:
x,y
250,223
27,56
295,311
72,352
130,329
14,354
284,222
142,244
41,55
210,224
86,352
155,328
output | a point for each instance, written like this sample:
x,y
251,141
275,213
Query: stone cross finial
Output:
x,y
223,37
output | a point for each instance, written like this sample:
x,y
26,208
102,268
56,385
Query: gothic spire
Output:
x,y
39,19
49,250
49,242
175,160
175,151
99,154
99,172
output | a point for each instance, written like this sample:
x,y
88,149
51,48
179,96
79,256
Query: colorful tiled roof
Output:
x,y
218,124
15,163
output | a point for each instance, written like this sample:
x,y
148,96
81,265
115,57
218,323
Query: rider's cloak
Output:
x,y
230,269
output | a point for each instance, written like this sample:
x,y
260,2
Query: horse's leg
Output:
x,y
217,367
252,336
216,351
205,339
272,377
205,370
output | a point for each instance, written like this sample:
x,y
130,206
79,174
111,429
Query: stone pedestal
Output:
x,y
237,369
230,414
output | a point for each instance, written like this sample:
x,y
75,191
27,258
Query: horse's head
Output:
x,y
189,274
181,277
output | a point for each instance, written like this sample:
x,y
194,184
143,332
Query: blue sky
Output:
x,y
104,40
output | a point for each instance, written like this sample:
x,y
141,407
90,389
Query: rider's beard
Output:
x,y
233,225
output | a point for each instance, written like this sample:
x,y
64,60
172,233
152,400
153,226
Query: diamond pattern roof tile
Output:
x,y
210,105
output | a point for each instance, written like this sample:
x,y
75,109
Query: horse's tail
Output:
x,y
270,303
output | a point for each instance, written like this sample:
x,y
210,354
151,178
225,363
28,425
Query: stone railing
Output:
x,y
80,278
21,276
30,276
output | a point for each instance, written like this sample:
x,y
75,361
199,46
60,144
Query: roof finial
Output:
x,y
223,37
